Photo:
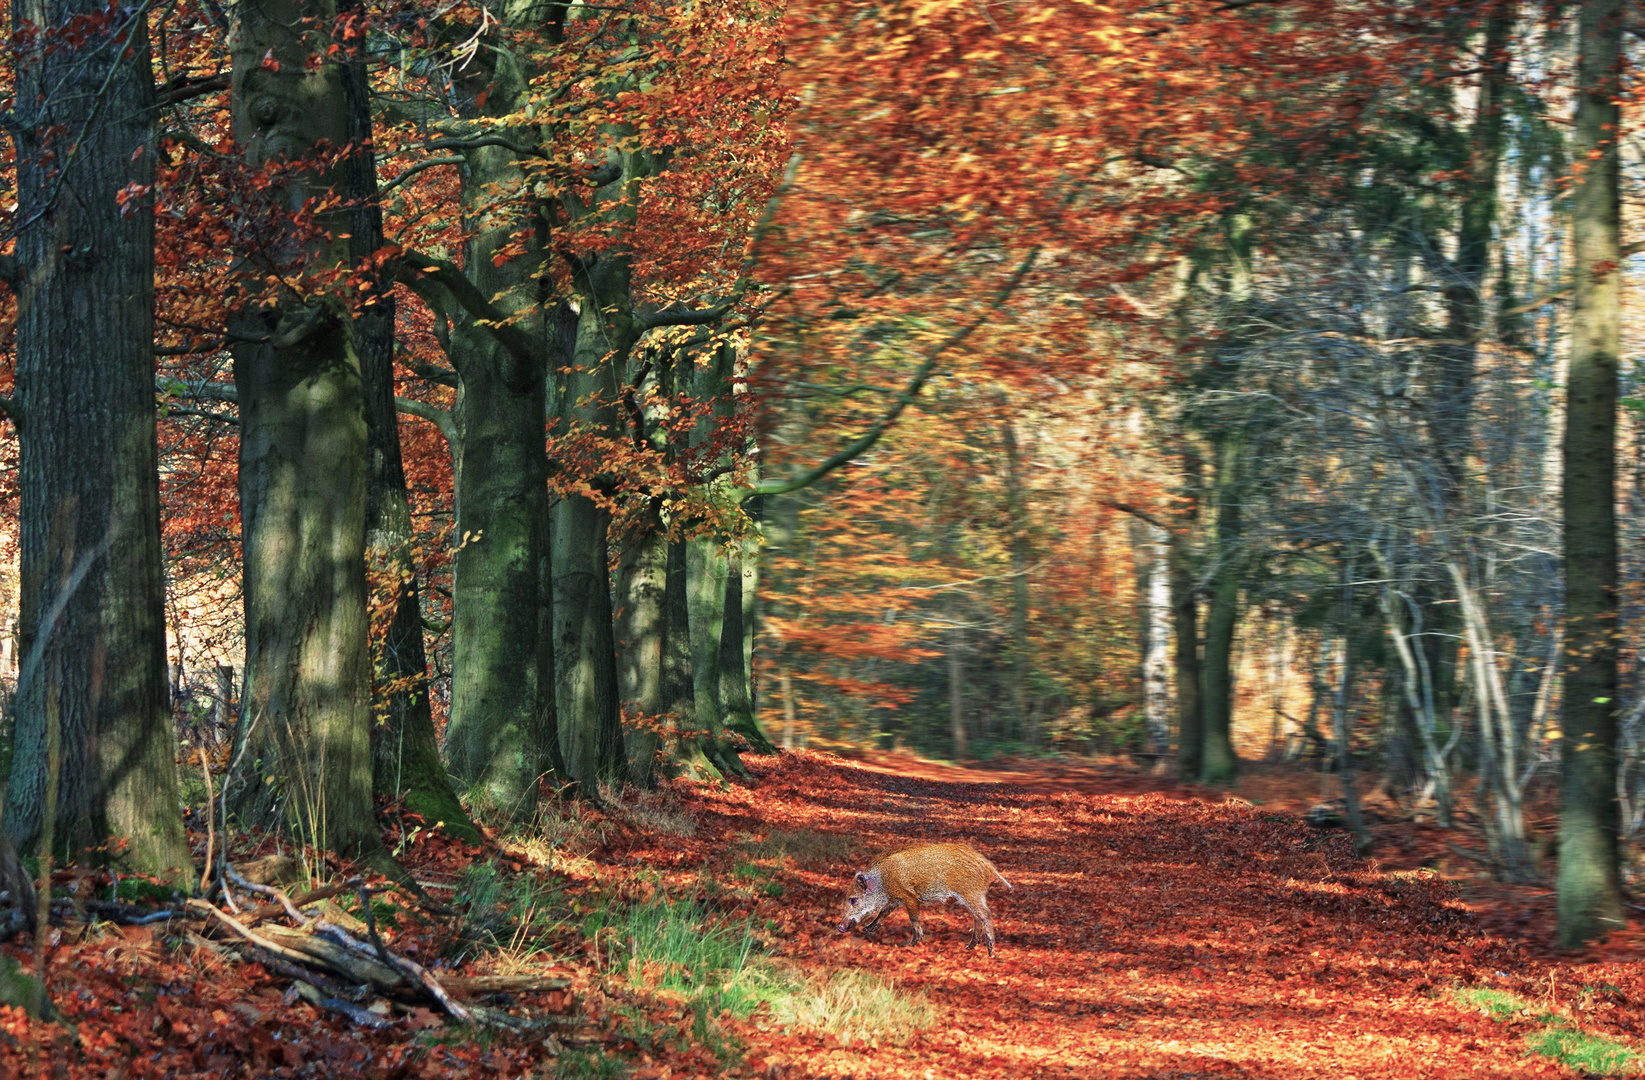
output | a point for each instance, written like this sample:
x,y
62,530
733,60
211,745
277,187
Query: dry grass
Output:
x,y
655,813
851,1005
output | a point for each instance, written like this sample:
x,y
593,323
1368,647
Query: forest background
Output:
x,y
461,404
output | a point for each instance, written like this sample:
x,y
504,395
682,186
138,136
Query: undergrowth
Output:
x,y
679,950
1591,1055
851,1005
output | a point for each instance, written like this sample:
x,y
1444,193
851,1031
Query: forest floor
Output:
x,y
1154,931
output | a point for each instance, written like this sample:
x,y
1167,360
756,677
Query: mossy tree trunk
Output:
x,y
306,726
92,685
405,754
642,636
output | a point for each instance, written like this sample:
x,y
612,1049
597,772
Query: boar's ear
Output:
x,y
862,879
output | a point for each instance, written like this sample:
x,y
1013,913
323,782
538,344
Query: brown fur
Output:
x,y
924,873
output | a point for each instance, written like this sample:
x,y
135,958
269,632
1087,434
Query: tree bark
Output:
x,y
642,632
1185,630
737,647
1021,655
93,604
1220,765
586,695
307,709
405,754
1589,886
1151,547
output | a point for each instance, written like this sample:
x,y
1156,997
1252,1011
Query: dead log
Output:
x,y
474,986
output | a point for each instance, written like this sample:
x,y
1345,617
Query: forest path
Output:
x,y
1153,933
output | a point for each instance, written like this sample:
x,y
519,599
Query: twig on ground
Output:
x,y
267,890
362,1017
303,900
211,822
129,914
371,926
407,967
255,939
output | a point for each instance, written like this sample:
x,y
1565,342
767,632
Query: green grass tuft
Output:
x,y
1497,1004
1589,1054
1586,1053
577,1065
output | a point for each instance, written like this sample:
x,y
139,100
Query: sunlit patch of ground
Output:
x,y
1154,931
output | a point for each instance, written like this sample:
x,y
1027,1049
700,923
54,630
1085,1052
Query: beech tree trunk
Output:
x,y
1220,766
405,754
585,681
307,710
642,633
1021,654
500,737
1590,892
92,702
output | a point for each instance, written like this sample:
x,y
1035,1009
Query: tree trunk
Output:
x,y
707,569
1220,766
405,754
93,602
692,741
500,486
1340,728
1590,894
307,707
737,647
956,691
1185,629
1021,654
585,404
1153,553
642,631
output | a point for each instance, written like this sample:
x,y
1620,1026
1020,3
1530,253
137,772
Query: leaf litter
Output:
x,y
1155,931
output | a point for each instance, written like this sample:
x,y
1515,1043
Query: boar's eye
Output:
x,y
853,901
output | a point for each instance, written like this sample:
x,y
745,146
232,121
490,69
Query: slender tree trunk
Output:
x,y
1185,628
1185,619
736,647
1220,765
93,601
585,696
1021,655
694,743
500,486
1589,886
790,719
1153,553
1340,728
956,691
405,754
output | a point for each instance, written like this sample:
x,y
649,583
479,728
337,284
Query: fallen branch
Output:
x,y
247,934
362,1017
267,890
480,985
302,900
410,968
323,951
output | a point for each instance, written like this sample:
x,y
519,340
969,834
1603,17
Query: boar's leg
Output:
x,y
868,927
918,935
981,918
